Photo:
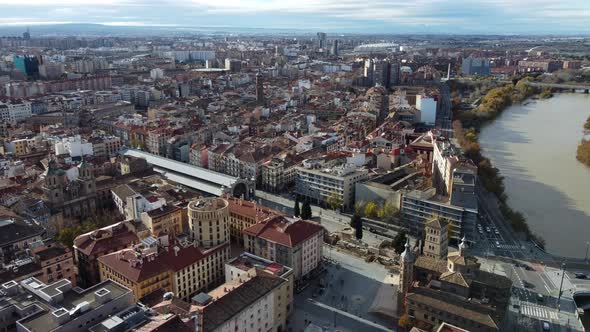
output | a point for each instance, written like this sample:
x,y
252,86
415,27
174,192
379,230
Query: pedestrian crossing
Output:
x,y
538,311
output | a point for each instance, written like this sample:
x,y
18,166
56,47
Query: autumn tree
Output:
x,y
371,210
386,211
359,208
405,322
334,201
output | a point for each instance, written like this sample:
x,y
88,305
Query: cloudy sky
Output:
x,y
382,16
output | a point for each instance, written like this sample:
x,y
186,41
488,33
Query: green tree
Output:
x,y
296,209
359,208
386,211
371,210
399,242
67,235
587,124
334,201
356,222
306,210
358,230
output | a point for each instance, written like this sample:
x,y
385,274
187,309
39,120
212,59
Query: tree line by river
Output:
x,y
466,126
583,151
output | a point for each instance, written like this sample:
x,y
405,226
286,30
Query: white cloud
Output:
x,y
452,15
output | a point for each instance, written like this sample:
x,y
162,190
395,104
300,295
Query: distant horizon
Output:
x,y
458,17
53,28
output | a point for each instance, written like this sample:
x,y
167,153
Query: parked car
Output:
x,y
546,326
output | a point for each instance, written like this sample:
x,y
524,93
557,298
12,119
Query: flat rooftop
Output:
x,y
42,320
246,261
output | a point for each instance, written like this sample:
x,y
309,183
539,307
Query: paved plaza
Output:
x,y
346,304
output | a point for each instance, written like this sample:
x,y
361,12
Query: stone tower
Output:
x,y
55,182
436,243
86,178
406,277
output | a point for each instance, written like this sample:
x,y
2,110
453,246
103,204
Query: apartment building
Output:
x,y
445,157
179,267
165,220
157,140
34,306
292,242
418,207
276,174
209,221
15,110
243,214
248,264
16,236
251,303
105,146
90,246
317,181
46,260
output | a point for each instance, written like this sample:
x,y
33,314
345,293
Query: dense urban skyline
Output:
x,y
309,166
384,16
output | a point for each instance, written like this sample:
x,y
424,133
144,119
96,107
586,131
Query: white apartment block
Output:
x,y
75,146
444,158
317,182
15,111
427,107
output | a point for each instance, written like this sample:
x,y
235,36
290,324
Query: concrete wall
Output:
x,y
369,193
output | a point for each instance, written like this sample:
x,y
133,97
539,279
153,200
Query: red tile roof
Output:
x,y
165,260
284,231
100,241
249,209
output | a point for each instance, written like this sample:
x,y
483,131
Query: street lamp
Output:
x,y
560,286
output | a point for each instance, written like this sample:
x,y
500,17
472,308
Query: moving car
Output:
x,y
580,275
546,326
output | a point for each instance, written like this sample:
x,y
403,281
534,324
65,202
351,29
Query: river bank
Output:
x,y
466,128
583,151
534,145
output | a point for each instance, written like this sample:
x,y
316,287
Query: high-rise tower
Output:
x,y
259,89
321,40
